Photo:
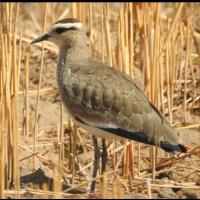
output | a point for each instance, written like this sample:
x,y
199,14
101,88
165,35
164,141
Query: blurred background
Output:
x,y
44,154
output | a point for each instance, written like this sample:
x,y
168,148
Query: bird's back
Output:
x,y
106,98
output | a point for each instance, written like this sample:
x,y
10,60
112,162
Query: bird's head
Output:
x,y
65,32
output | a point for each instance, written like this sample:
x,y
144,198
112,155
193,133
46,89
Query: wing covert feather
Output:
x,y
105,95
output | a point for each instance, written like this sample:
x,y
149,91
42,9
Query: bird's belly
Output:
x,y
96,131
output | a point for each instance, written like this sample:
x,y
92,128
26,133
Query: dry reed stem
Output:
x,y
49,194
63,14
89,181
39,86
171,161
27,58
172,27
175,186
149,189
189,126
61,137
186,69
45,91
57,183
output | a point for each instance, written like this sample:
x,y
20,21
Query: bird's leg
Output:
x,y
104,155
96,161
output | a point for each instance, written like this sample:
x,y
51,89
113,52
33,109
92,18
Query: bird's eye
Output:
x,y
61,30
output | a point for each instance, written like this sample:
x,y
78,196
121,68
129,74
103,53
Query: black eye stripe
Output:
x,y
60,30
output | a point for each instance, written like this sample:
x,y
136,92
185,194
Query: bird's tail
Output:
x,y
172,148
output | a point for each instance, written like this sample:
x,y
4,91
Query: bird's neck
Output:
x,y
74,48
74,54
70,56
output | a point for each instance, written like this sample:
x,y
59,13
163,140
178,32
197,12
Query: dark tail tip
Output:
x,y
172,148
182,148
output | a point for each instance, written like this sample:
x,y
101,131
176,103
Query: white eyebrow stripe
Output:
x,y
77,25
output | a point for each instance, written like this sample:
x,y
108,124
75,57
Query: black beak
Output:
x,y
41,38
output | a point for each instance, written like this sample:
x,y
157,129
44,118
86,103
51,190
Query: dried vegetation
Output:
x,y
155,43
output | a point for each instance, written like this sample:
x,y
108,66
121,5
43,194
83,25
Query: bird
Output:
x,y
103,100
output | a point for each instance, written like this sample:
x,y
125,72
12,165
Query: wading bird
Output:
x,y
103,100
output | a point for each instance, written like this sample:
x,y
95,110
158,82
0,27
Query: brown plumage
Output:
x,y
102,99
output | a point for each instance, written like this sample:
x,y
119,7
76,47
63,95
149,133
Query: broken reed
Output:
x,y
10,57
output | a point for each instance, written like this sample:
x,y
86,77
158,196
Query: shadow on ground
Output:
x,y
39,178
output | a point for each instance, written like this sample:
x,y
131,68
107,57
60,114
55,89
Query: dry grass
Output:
x,y
140,39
